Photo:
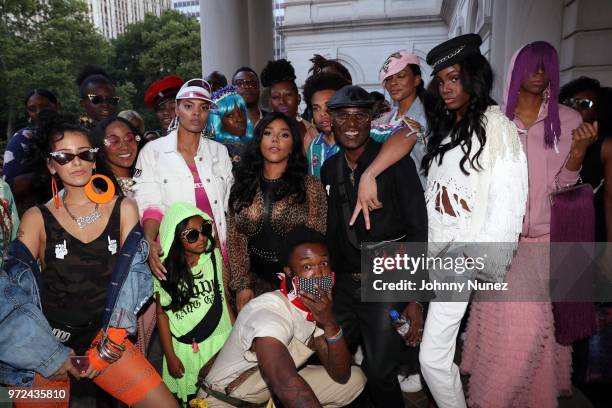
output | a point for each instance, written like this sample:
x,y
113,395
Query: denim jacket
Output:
x,y
27,344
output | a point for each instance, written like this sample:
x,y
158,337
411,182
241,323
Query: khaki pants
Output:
x,y
328,392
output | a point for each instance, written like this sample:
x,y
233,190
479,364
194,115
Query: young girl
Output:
x,y
192,316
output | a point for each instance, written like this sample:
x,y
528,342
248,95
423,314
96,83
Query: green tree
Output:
x,y
153,48
44,44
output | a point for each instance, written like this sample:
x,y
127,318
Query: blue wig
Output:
x,y
227,99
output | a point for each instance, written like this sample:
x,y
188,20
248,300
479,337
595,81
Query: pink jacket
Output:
x,y
544,165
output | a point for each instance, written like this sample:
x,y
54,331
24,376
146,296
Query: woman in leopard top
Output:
x,y
272,194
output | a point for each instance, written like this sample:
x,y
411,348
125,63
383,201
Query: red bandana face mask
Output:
x,y
305,285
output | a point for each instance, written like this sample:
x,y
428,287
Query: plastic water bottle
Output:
x,y
399,322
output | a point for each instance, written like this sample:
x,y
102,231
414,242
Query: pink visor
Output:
x,y
195,89
395,63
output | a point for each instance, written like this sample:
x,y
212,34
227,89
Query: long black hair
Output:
x,y
420,89
52,127
603,112
249,171
476,78
180,282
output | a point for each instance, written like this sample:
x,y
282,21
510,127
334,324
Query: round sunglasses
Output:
x,y
191,235
63,158
114,141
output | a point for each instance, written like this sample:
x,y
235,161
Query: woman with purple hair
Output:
x,y
510,350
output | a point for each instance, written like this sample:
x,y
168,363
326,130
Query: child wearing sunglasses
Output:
x,y
193,317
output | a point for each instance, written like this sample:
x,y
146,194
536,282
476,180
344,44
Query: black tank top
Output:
x,y
76,278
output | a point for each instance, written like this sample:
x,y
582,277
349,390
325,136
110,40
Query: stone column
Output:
x,y
587,35
235,33
516,23
261,27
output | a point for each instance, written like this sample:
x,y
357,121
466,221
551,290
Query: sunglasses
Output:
x,y
191,235
63,158
360,117
114,141
245,84
579,103
97,99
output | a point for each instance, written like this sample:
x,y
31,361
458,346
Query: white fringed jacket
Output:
x,y
489,204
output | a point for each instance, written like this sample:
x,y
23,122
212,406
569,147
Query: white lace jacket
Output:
x,y
489,204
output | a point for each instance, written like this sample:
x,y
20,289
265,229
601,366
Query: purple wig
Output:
x,y
529,59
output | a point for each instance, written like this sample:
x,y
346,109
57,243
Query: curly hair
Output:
x,y
278,71
476,78
578,85
320,63
249,171
180,282
322,82
52,128
92,74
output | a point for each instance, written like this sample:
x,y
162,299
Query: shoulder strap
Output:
x,y
207,326
343,199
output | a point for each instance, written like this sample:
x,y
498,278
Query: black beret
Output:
x,y
351,96
453,51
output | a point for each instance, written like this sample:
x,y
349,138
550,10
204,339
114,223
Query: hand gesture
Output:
x,y
582,137
414,313
320,307
367,199
62,373
154,262
175,366
413,126
90,373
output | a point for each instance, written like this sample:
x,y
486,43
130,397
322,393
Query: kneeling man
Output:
x,y
278,331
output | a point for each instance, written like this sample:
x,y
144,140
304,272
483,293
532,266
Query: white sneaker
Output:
x,y
411,383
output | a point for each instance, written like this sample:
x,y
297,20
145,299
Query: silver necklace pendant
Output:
x,y
83,222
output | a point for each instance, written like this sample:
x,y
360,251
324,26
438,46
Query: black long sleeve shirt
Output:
x,y
403,213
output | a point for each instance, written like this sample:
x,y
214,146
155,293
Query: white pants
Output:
x,y
329,393
438,351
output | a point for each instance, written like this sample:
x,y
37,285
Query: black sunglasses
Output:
x,y
579,103
97,99
191,235
63,158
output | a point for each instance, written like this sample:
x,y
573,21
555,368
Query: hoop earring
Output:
x,y
100,198
55,192
546,94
